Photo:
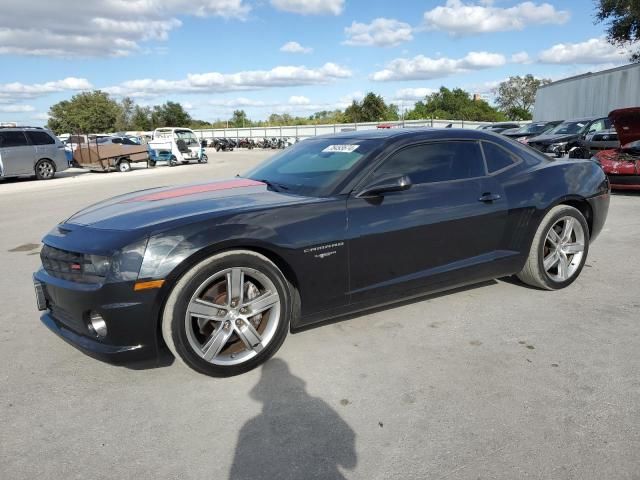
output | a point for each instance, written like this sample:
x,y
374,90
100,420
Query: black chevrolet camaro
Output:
x,y
220,272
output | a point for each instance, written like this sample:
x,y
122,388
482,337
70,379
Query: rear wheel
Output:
x,y
203,158
559,250
173,161
228,314
124,166
45,169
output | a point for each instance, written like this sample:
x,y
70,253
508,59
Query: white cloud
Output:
x,y
40,116
16,108
299,100
521,57
425,68
381,32
592,51
238,102
310,7
460,18
295,47
99,27
22,90
412,94
282,76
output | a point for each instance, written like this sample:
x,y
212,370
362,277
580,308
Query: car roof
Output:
x,y
426,133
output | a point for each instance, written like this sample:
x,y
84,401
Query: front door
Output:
x,y
445,229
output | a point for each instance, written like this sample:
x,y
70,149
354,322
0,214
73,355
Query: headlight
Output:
x,y
557,146
126,263
97,265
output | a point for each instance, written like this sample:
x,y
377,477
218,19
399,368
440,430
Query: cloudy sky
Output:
x,y
295,56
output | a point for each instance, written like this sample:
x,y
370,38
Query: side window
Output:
x,y
13,139
128,141
435,162
116,140
497,157
40,138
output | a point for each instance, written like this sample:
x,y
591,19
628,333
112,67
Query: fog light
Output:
x,y
97,325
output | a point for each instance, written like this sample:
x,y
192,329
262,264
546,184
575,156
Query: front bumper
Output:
x,y
624,182
131,318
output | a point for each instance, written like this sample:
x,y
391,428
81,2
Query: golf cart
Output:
x,y
175,145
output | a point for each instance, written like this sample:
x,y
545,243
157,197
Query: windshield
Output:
x,y
188,137
314,167
569,128
532,128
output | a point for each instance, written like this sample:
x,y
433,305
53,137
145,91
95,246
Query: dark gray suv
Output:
x,y
30,151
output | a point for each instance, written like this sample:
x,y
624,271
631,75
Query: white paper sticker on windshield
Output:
x,y
341,148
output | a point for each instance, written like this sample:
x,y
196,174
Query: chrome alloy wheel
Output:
x,y
45,169
232,316
563,249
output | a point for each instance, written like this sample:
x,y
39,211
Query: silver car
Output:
x,y
30,151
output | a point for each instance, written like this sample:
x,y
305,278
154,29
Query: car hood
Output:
x,y
549,139
179,204
627,124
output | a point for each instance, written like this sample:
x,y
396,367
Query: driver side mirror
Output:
x,y
385,185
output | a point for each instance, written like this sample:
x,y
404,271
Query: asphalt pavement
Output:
x,y
494,381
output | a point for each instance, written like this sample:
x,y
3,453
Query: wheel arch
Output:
x,y
579,203
53,162
206,252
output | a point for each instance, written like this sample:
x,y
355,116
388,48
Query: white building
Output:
x,y
589,95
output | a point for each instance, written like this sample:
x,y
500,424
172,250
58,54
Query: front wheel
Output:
x,y
173,161
203,159
559,249
228,314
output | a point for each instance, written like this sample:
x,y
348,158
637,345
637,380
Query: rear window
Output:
x,y
40,138
497,157
13,139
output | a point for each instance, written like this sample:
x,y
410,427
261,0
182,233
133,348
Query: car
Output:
x,y
31,151
499,127
594,142
178,145
561,139
533,129
220,272
622,165
106,153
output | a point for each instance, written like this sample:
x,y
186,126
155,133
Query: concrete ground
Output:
x,y
496,381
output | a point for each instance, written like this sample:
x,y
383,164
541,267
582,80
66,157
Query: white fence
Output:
x,y
304,131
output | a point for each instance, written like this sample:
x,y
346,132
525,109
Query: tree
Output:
x,y
239,119
454,104
372,108
87,112
141,118
516,96
623,18
170,114
124,117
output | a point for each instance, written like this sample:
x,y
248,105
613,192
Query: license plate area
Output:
x,y
41,300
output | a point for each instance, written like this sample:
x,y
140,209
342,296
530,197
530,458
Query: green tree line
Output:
x,y
97,111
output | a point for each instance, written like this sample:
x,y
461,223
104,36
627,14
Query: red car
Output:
x,y
622,165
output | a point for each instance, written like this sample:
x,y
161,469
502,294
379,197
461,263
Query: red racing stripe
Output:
x,y
194,189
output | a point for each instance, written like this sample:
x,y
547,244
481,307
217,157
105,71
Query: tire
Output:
x,y
564,256
231,338
45,169
173,161
124,166
203,159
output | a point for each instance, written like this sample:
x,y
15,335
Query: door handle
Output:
x,y
489,197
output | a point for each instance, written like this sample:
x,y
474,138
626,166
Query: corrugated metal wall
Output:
x,y
589,95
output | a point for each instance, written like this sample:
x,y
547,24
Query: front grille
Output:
x,y
538,146
66,265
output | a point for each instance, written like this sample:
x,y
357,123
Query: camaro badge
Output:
x,y
322,249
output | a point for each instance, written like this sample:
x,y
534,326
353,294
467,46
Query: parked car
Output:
x,y
595,142
561,139
499,127
622,165
30,151
533,129
221,271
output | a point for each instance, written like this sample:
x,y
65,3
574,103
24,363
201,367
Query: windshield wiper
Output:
x,y
276,187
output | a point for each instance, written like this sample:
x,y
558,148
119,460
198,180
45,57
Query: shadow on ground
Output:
x,y
295,436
